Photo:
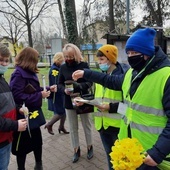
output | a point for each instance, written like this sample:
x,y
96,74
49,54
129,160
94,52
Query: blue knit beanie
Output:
x,y
142,41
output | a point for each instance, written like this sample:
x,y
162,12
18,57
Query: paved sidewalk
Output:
x,y
57,153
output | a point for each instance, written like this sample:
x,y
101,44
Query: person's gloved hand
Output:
x,y
77,86
113,107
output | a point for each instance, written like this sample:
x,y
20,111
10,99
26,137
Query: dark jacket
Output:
x,y
161,148
57,104
7,113
81,86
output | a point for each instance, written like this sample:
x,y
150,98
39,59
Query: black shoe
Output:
x,y
49,129
90,153
76,155
63,130
38,166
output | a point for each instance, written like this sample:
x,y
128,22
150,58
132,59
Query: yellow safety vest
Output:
x,y
104,119
144,113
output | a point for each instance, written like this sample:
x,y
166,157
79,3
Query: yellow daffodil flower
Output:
x,y
34,114
55,72
127,154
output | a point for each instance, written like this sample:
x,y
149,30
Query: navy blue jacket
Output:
x,y
162,147
56,105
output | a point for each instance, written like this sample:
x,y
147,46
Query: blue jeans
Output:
x,y
5,157
108,138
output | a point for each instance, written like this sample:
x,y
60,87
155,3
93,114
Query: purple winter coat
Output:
x,y
19,79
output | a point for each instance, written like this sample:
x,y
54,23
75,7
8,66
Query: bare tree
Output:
x,y
14,29
41,38
156,13
26,11
88,29
112,13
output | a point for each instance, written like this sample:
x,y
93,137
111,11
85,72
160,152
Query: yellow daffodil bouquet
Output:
x,y
127,154
54,73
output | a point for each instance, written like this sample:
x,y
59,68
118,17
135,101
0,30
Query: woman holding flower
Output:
x,y
27,92
55,101
74,61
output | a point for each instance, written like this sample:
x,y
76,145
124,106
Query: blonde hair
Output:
x,y
74,51
58,58
28,59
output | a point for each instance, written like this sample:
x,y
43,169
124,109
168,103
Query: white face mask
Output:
x,y
3,69
63,63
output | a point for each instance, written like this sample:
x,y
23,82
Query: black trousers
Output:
x,y
22,158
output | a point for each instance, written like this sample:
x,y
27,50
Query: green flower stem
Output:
x,y
54,92
19,137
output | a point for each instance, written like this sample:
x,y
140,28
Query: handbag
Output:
x,y
85,108
36,118
29,88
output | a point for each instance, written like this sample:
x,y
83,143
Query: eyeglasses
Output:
x,y
4,61
69,57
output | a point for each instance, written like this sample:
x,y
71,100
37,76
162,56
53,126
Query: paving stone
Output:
x,y
57,152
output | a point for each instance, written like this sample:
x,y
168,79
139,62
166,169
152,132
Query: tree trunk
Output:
x,y
71,22
28,26
62,19
111,20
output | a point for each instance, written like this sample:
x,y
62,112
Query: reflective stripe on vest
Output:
x,y
106,96
105,114
149,110
144,112
106,100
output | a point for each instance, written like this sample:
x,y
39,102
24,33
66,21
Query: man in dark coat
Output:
x,y
146,89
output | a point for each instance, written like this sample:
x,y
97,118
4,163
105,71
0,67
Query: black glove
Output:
x,y
77,86
113,107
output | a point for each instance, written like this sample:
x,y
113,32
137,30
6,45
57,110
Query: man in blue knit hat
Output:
x,y
140,48
146,94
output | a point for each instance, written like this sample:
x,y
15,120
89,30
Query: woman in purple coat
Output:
x,y
56,100
26,90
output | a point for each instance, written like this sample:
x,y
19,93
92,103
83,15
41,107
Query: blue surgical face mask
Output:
x,y
104,67
3,69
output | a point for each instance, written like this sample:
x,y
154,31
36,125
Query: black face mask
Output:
x,y
137,62
70,62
